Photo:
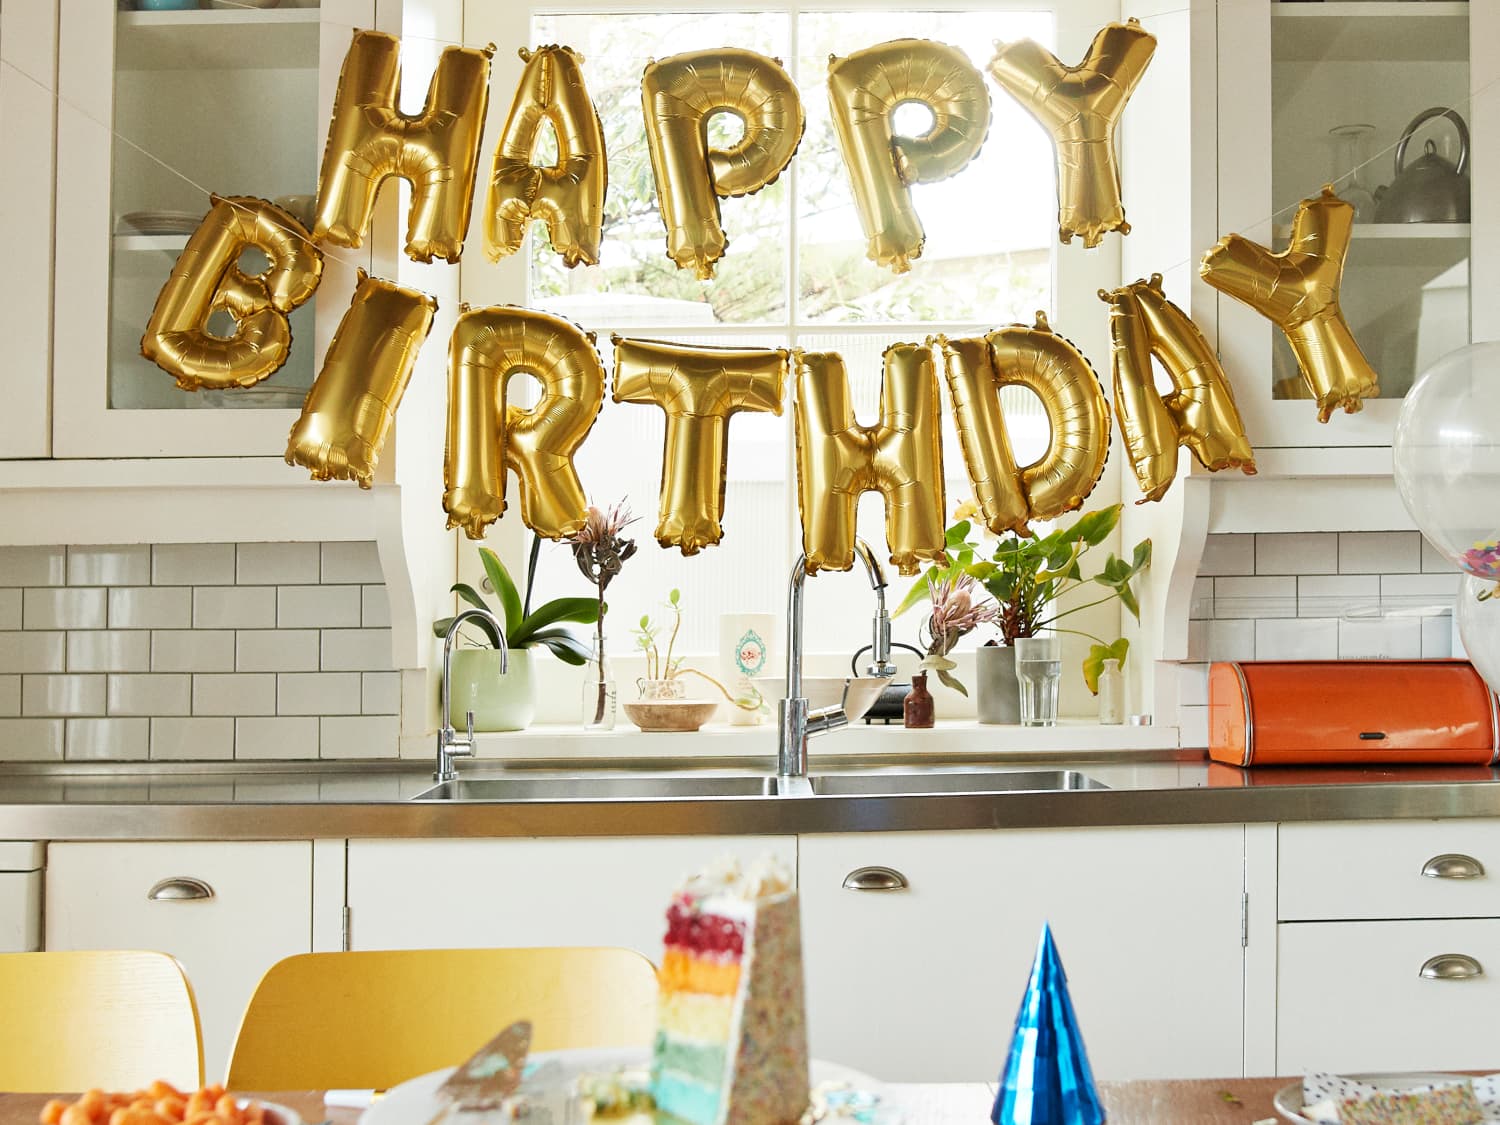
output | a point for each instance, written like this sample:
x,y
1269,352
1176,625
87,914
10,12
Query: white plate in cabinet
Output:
x,y
928,938
1387,996
227,911
1391,869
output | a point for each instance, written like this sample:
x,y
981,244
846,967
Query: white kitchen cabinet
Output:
x,y
414,894
227,911
20,897
923,983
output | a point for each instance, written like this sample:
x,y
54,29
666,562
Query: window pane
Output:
x,y
990,229
634,275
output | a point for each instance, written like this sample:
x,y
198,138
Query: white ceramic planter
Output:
x,y
499,702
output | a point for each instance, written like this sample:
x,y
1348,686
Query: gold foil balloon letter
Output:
x,y
207,278
436,151
838,459
1058,374
1080,106
569,195
678,96
863,92
698,388
486,436
1199,413
349,409
1298,291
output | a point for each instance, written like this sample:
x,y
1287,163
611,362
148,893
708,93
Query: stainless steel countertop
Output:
x,y
236,801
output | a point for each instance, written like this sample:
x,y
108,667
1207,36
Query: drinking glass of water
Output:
x,y
1039,668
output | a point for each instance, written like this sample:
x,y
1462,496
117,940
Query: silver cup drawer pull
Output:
x,y
1451,966
1453,865
180,888
875,879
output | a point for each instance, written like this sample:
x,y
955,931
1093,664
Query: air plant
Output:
x,y
955,612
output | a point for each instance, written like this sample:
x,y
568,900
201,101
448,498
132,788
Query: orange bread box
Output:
x,y
1328,711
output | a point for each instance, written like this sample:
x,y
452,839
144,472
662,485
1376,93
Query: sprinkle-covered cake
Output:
x,y
731,1040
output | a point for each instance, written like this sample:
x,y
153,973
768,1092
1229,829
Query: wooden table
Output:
x,y
1239,1101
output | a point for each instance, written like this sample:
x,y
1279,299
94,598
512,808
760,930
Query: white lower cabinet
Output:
x,y
923,983
227,911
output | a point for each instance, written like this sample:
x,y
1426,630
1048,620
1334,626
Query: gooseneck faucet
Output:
x,y
449,744
798,721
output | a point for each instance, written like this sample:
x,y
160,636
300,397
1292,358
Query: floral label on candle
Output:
x,y
750,653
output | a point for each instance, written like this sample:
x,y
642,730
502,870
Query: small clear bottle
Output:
x,y
1111,694
598,703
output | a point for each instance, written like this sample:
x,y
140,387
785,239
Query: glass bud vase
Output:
x,y
598,702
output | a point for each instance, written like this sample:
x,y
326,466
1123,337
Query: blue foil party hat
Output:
x,y
1047,1080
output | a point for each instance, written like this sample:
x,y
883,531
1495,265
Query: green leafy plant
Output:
x,y
662,665
1028,574
524,626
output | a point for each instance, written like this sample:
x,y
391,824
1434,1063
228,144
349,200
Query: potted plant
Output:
x,y
665,680
1027,575
508,702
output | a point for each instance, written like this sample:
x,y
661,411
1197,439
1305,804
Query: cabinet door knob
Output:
x,y
1451,966
1453,865
179,888
875,879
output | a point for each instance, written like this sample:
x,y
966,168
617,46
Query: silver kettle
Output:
x,y
1431,190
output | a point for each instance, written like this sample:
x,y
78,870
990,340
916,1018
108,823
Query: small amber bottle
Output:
x,y
916,708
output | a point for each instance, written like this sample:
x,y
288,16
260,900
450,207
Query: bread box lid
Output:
x,y
1289,712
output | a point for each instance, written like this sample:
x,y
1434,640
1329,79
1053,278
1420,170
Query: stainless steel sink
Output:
x,y
625,787
918,781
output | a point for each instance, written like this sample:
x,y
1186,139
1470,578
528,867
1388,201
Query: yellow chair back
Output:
x,y
370,1020
113,1019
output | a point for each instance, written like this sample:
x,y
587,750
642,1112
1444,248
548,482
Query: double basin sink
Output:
x,y
687,786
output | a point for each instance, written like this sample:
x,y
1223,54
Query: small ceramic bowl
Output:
x,y
670,714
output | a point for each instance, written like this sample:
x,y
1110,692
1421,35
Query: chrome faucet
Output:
x,y
797,721
449,744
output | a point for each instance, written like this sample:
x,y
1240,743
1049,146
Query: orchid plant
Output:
x,y
958,608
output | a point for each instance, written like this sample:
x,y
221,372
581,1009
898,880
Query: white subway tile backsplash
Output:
x,y
276,650
61,608
356,650
234,607
150,607
192,564
1193,725
276,564
110,566
1335,595
1432,559
317,607
109,650
1296,638
175,739
1221,640
375,608
1413,590
31,740
234,693
47,695
1255,597
1202,606
108,740
1228,554
151,693
192,650
1379,552
1380,638
318,693
10,696
33,652
1192,684
351,562
32,566
1437,636
280,737
1306,553
364,736
10,609
380,693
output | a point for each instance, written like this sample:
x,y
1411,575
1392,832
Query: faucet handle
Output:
x,y
469,727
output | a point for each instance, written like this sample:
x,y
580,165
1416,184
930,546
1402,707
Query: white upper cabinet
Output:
x,y
1315,93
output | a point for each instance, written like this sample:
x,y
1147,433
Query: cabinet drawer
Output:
x,y
1376,870
151,896
1351,996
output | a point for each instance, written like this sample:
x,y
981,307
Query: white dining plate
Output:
x,y
416,1103
1288,1101
275,1114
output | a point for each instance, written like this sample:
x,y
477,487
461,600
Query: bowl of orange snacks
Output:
x,y
161,1103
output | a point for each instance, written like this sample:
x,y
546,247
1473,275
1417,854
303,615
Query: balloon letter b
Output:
x,y
1298,291
699,388
1080,106
569,196
678,96
437,151
901,458
1199,413
486,437
863,92
349,409
207,278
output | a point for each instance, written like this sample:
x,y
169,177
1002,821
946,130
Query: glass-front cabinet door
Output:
x,y
1392,102
160,103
